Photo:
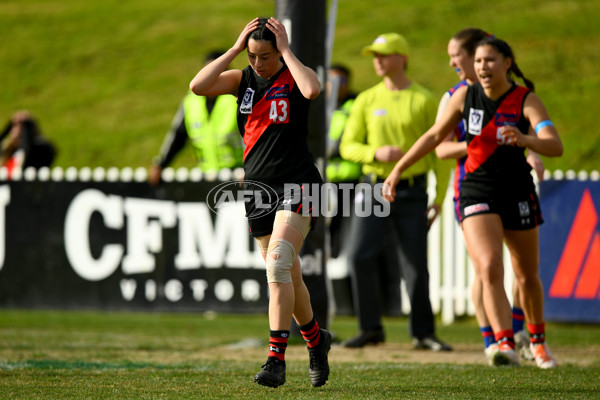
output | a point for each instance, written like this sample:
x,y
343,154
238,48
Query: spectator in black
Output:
x,y
23,144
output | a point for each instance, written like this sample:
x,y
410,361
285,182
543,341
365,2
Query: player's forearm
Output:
x,y
206,78
447,150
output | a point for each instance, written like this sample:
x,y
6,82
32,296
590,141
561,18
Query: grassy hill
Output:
x,y
105,77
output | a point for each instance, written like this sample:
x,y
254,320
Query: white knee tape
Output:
x,y
280,259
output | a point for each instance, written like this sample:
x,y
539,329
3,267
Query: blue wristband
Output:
x,y
543,124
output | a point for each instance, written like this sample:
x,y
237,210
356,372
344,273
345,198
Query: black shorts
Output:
x,y
518,211
304,200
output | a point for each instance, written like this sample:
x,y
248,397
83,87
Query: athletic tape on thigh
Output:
x,y
280,259
300,222
263,243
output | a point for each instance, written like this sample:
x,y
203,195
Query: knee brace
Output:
x,y
300,222
280,259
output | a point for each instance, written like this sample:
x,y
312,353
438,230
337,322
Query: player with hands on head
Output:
x,y
273,96
497,196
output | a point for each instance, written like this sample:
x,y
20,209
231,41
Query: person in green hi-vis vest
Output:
x,y
211,126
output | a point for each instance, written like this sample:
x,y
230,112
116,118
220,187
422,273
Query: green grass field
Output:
x,y
110,355
105,76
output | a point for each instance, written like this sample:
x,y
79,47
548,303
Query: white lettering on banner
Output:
x,y
224,290
198,287
144,235
4,200
311,264
227,244
128,287
173,290
77,227
201,243
250,290
151,290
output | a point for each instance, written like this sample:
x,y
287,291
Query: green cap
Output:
x,y
386,44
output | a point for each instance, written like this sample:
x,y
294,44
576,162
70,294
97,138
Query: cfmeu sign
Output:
x,y
199,244
570,252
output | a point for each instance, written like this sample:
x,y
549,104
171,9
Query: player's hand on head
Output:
x,y
240,44
280,33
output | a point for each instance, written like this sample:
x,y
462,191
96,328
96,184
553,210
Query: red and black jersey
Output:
x,y
492,165
273,120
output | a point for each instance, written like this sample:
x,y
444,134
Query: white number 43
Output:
x,y
279,111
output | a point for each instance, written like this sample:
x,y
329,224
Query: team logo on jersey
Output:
x,y
506,119
524,209
380,112
246,106
475,121
281,92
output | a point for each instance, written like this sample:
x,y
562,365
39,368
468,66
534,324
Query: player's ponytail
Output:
x,y
514,68
503,47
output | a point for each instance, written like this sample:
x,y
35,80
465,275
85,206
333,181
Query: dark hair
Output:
x,y
262,32
469,37
502,47
341,69
213,55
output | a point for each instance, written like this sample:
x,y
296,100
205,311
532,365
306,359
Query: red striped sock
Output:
x,y
311,333
537,332
505,338
278,341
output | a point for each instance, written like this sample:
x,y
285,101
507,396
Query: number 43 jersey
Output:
x,y
492,165
273,120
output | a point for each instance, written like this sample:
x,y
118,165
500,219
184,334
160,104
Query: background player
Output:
x,y
497,197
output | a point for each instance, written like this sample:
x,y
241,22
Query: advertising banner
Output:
x,y
113,245
570,250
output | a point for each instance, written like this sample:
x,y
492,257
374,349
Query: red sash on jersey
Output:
x,y
482,146
273,108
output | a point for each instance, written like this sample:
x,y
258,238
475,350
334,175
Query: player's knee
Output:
x,y
280,259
